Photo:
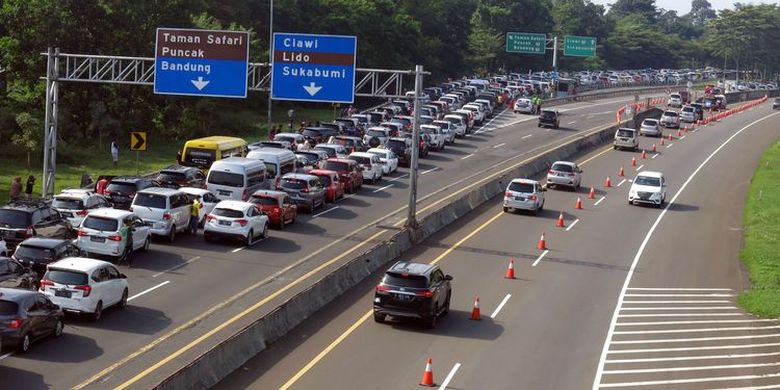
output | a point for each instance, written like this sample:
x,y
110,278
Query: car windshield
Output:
x,y
201,158
67,203
625,133
285,137
226,179
8,308
336,166
125,188
361,159
688,109
648,181
376,133
650,122
311,134
562,168
293,184
101,224
396,143
228,213
70,278
34,253
324,180
670,114
380,154
14,219
330,151
174,177
411,281
526,188
153,201
309,157
264,201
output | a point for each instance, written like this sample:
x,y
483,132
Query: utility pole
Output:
x,y
411,218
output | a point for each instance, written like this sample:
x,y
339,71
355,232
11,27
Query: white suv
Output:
x,y
524,194
625,138
648,187
234,219
74,205
675,100
85,286
670,119
114,233
167,210
564,173
371,164
458,124
437,137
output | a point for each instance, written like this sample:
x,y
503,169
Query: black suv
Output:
x,y
38,252
413,290
402,148
549,118
15,275
122,189
20,220
177,176
26,316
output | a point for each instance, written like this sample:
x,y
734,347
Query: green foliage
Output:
x,y
27,138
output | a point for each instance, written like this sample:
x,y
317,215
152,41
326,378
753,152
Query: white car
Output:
x,y
371,164
114,233
234,219
675,100
648,187
688,114
524,106
564,173
207,201
3,248
74,205
670,119
650,126
448,129
166,210
459,125
333,150
524,194
437,138
479,112
387,157
85,286
381,134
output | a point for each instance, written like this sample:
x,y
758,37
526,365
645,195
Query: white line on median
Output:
x,y
572,122
655,155
499,145
382,188
572,224
669,146
449,376
695,339
679,315
621,182
640,167
538,259
664,331
683,137
693,380
701,301
599,201
652,323
526,136
175,267
467,156
6,355
680,295
399,177
687,349
680,308
148,290
430,170
676,289
500,305
681,358
239,249
694,368
326,211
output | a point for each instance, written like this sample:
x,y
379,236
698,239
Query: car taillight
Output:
x,y
532,197
15,323
382,288
276,211
82,212
210,217
507,193
29,232
166,216
305,190
551,172
242,222
82,233
426,294
46,282
85,289
115,237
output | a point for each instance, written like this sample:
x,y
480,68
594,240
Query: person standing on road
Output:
x,y
16,188
114,151
272,133
28,190
195,215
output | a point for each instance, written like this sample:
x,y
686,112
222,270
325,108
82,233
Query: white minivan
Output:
x,y
166,210
278,162
236,178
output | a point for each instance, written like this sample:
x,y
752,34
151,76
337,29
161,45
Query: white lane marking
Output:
x,y
676,289
599,201
467,156
695,339
680,295
175,267
572,122
655,155
500,145
688,322
6,355
683,137
399,177
686,349
382,188
670,145
148,290
500,305
526,136
664,331
239,249
693,380
449,376
682,358
572,224
694,368
430,170
538,259
640,167
704,301
681,308
621,182
326,211
635,262
680,315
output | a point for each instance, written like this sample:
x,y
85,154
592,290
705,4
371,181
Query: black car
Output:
x,y
699,110
26,316
38,252
20,220
776,104
413,290
402,148
122,189
549,118
15,275
177,176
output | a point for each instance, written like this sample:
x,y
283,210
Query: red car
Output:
x,y
350,172
334,189
277,205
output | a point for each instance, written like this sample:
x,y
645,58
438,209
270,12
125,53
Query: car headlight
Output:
x,y
632,193
655,195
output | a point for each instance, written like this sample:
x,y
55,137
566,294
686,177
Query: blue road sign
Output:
x,y
201,62
314,68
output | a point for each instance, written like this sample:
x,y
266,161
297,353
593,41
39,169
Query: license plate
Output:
x,y
97,239
403,297
224,193
225,223
62,293
520,198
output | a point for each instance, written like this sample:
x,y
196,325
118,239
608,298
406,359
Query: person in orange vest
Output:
x,y
101,185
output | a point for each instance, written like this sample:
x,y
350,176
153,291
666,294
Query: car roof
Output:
x,y
627,128
83,264
569,163
525,181
194,190
343,160
412,268
159,191
128,179
177,168
651,174
322,172
13,294
361,154
43,242
383,150
74,192
233,205
300,176
110,213
269,193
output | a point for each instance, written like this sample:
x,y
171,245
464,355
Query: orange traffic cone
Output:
x,y
427,378
633,161
654,149
643,155
475,315
510,272
560,222
662,142
592,193
621,173
670,137
685,129
607,182
678,133
542,245
578,204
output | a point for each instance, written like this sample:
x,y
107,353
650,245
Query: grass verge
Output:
x,y
761,252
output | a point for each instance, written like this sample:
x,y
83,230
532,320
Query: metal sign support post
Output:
x,y
411,218
270,59
50,123
555,53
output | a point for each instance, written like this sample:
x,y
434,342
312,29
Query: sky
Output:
x,y
684,6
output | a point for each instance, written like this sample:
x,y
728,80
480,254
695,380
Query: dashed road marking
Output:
x,y
538,259
148,290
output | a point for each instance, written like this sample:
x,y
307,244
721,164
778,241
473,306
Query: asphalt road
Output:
x,y
182,291
672,274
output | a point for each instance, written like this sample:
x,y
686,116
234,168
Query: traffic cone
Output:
x,y
592,193
644,155
542,245
685,129
427,378
662,141
678,133
560,222
578,204
607,182
510,272
654,149
475,315
670,137
633,161
621,173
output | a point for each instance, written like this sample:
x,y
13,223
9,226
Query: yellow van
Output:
x,y
202,152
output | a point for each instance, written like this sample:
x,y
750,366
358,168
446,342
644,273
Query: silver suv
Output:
x,y
304,190
166,210
524,194
625,138
564,173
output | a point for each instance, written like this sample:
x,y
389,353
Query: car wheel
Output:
x,y
172,234
541,206
631,202
58,327
506,209
147,244
98,312
447,304
249,237
379,318
123,257
24,344
614,147
123,302
281,222
265,231
430,322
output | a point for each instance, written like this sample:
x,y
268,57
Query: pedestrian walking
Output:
x,y
127,231
272,132
195,215
16,188
28,190
114,151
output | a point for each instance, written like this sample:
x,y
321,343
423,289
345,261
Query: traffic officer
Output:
x,y
195,215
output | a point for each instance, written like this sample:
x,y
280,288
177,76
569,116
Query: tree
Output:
x,y
483,43
645,8
701,12
27,137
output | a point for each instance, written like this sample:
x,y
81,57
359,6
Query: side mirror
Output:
x,y
123,276
448,277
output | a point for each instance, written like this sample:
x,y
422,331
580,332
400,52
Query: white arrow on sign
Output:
x,y
312,89
200,83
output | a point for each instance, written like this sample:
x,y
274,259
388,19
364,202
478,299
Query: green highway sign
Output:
x,y
526,43
579,46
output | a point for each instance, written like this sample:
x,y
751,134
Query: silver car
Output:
x,y
564,173
524,194
670,119
625,138
651,127
305,190
688,114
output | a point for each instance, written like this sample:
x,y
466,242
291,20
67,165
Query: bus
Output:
x,y
202,152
